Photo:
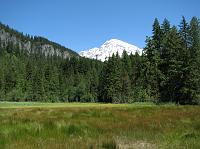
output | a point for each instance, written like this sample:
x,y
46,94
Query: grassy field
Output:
x,y
104,126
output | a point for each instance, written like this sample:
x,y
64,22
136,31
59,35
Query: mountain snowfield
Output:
x,y
110,47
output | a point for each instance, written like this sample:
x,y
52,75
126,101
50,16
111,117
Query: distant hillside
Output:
x,y
32,44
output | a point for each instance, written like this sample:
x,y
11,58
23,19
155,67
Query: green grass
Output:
x,y
93,126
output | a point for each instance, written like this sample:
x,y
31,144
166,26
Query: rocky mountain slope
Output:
x,y
31,44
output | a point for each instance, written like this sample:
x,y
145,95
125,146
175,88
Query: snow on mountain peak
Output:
x,y
108,48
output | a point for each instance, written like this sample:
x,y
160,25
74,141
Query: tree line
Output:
x,y
167,71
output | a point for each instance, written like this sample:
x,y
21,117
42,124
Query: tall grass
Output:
x,y
84,126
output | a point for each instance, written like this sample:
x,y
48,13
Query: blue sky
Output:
x,y
83,24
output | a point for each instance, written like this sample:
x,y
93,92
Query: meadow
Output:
x,y
98,126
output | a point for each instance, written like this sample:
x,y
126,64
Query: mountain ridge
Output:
x,y
32,44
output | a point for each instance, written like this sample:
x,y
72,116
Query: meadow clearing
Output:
x,y
98,126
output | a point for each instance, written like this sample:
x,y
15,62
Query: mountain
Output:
x,y
108,48
31,44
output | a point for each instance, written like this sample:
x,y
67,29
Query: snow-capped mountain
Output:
x,y
108,48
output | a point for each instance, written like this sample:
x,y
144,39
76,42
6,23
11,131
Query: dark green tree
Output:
x,y
171,85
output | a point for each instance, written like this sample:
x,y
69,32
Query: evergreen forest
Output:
x,y
167,71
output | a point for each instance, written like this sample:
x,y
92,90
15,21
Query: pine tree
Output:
x,y
1,77
38,85
80,91
185,70
172,84
152,53
137,79
110,80
54,85
193,81
165,27
126,87
126,62
94,83
184,32
157,37
29,81
20,88
115,78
